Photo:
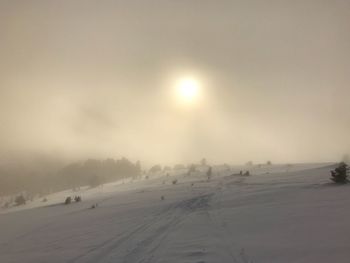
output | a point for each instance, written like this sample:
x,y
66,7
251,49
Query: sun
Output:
x,y
188,89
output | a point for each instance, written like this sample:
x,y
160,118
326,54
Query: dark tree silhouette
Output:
x,y
179,166
191,169
209,172
340,174
68,200
166,168
155,169
250,163
20,200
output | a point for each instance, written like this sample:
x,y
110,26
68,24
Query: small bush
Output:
x,y
20,200
68,200
174,181
94,206
340,174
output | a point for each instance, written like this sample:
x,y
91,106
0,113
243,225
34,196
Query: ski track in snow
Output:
x,y
140,243
198,223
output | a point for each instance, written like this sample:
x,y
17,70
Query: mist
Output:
x,y
95,79
174,131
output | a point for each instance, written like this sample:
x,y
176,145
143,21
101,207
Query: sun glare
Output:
x,y
188,89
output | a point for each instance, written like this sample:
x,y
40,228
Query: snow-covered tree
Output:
x,y
340,174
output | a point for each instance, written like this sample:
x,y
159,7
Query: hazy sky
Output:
x,y
82,78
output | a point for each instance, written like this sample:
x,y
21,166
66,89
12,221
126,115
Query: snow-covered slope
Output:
x,y
278,214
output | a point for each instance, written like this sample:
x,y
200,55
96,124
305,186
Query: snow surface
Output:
x,y
278,214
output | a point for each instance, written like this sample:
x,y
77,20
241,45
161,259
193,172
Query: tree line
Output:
x,y
91,172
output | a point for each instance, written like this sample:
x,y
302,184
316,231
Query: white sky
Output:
x,y
94,78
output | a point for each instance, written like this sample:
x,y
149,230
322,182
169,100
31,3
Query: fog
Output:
x,y
95,79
